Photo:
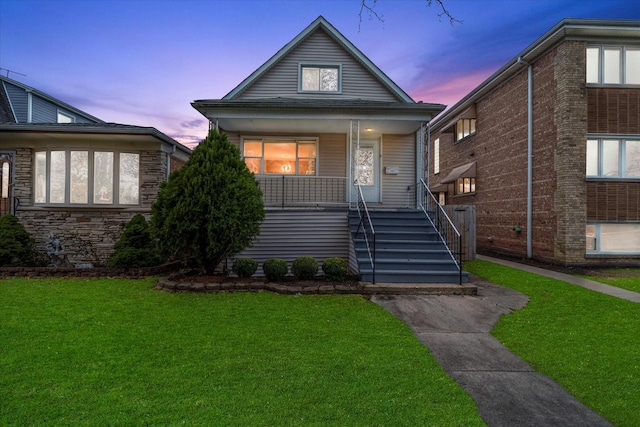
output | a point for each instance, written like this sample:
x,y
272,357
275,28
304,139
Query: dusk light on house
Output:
x,y
143,62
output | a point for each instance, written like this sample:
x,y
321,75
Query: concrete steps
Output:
x,y
408,250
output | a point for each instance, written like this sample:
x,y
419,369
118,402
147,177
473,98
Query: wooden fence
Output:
x,y
464,218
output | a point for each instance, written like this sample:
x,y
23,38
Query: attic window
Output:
x,y
320,78
65,118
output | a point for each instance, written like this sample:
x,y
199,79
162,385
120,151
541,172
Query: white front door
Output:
x,y
367,169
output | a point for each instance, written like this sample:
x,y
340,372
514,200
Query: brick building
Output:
x,y
548,148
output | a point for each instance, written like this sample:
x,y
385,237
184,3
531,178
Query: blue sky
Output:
x,y
142,62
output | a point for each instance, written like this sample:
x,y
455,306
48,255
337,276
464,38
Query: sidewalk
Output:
x,y
506,389
585,283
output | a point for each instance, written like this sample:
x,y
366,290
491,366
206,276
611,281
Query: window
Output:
x,y
464,128
613,158
65,118
613,65
281,156
613,238
436,156
320,78
92,177
465,185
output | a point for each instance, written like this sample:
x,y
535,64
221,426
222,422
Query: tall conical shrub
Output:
x,y
211,208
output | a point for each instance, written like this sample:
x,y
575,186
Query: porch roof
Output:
x,y
316,114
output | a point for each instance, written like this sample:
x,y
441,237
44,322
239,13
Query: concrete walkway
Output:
x,y
506,389
585,283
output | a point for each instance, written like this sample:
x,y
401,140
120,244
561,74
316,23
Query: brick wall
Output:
x,y
88,234
571,122
500,149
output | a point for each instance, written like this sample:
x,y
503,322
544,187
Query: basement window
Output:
x,y
613,238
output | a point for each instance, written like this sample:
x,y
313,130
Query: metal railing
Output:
x,y
443,225
298,190
367,230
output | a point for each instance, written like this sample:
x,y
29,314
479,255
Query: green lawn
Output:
x,y
116,352
626,278
588,342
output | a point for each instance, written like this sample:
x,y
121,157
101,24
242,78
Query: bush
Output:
x,y
335,269
275,269
304,268
136,247
244,267
17,247
211,208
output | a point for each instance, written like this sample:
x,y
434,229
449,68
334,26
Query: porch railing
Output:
x,y
367,230
443,225
293,190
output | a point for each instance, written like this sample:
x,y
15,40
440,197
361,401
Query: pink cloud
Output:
x,y
450,91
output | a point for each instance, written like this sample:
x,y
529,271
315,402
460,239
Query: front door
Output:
x,y
6,183
367,169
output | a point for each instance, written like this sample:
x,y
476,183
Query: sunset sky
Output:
x,y
142,62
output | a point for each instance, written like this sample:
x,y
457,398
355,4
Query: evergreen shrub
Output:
x,y
211,208
244,267
17,247
275,269
136,247
304,268
335,269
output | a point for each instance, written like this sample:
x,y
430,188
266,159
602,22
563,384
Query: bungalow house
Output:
x,y
337,148
548,148
68,173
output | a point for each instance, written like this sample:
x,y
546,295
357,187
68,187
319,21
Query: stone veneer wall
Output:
x,y
87,233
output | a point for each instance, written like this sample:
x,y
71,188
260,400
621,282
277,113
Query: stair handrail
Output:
x,y
365,223
444,226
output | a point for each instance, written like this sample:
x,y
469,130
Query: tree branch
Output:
x,y
371,13
445,12
368,7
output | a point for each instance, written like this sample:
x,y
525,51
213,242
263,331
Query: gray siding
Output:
x,y
282,79
47,112
18,99
398,191
289,234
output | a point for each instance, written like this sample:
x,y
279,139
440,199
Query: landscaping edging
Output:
x,y
254,285
128,273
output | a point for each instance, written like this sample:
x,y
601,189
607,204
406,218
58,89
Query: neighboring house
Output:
x,y
312,121
65,172
548,148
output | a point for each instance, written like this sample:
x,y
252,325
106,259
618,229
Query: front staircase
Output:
x,y
407,249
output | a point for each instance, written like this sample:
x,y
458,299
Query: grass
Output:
x,y
586,341
626,278
115,352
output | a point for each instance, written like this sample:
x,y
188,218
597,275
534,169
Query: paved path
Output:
x,y
506,389
585,283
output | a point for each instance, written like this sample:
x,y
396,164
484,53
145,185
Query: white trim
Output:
x,y
320,65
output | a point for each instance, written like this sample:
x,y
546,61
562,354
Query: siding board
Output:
x,y
289,234
18,100
282,79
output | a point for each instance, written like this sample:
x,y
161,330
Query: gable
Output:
x,y
282,79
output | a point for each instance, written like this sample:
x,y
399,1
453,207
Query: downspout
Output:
x,y
529,155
